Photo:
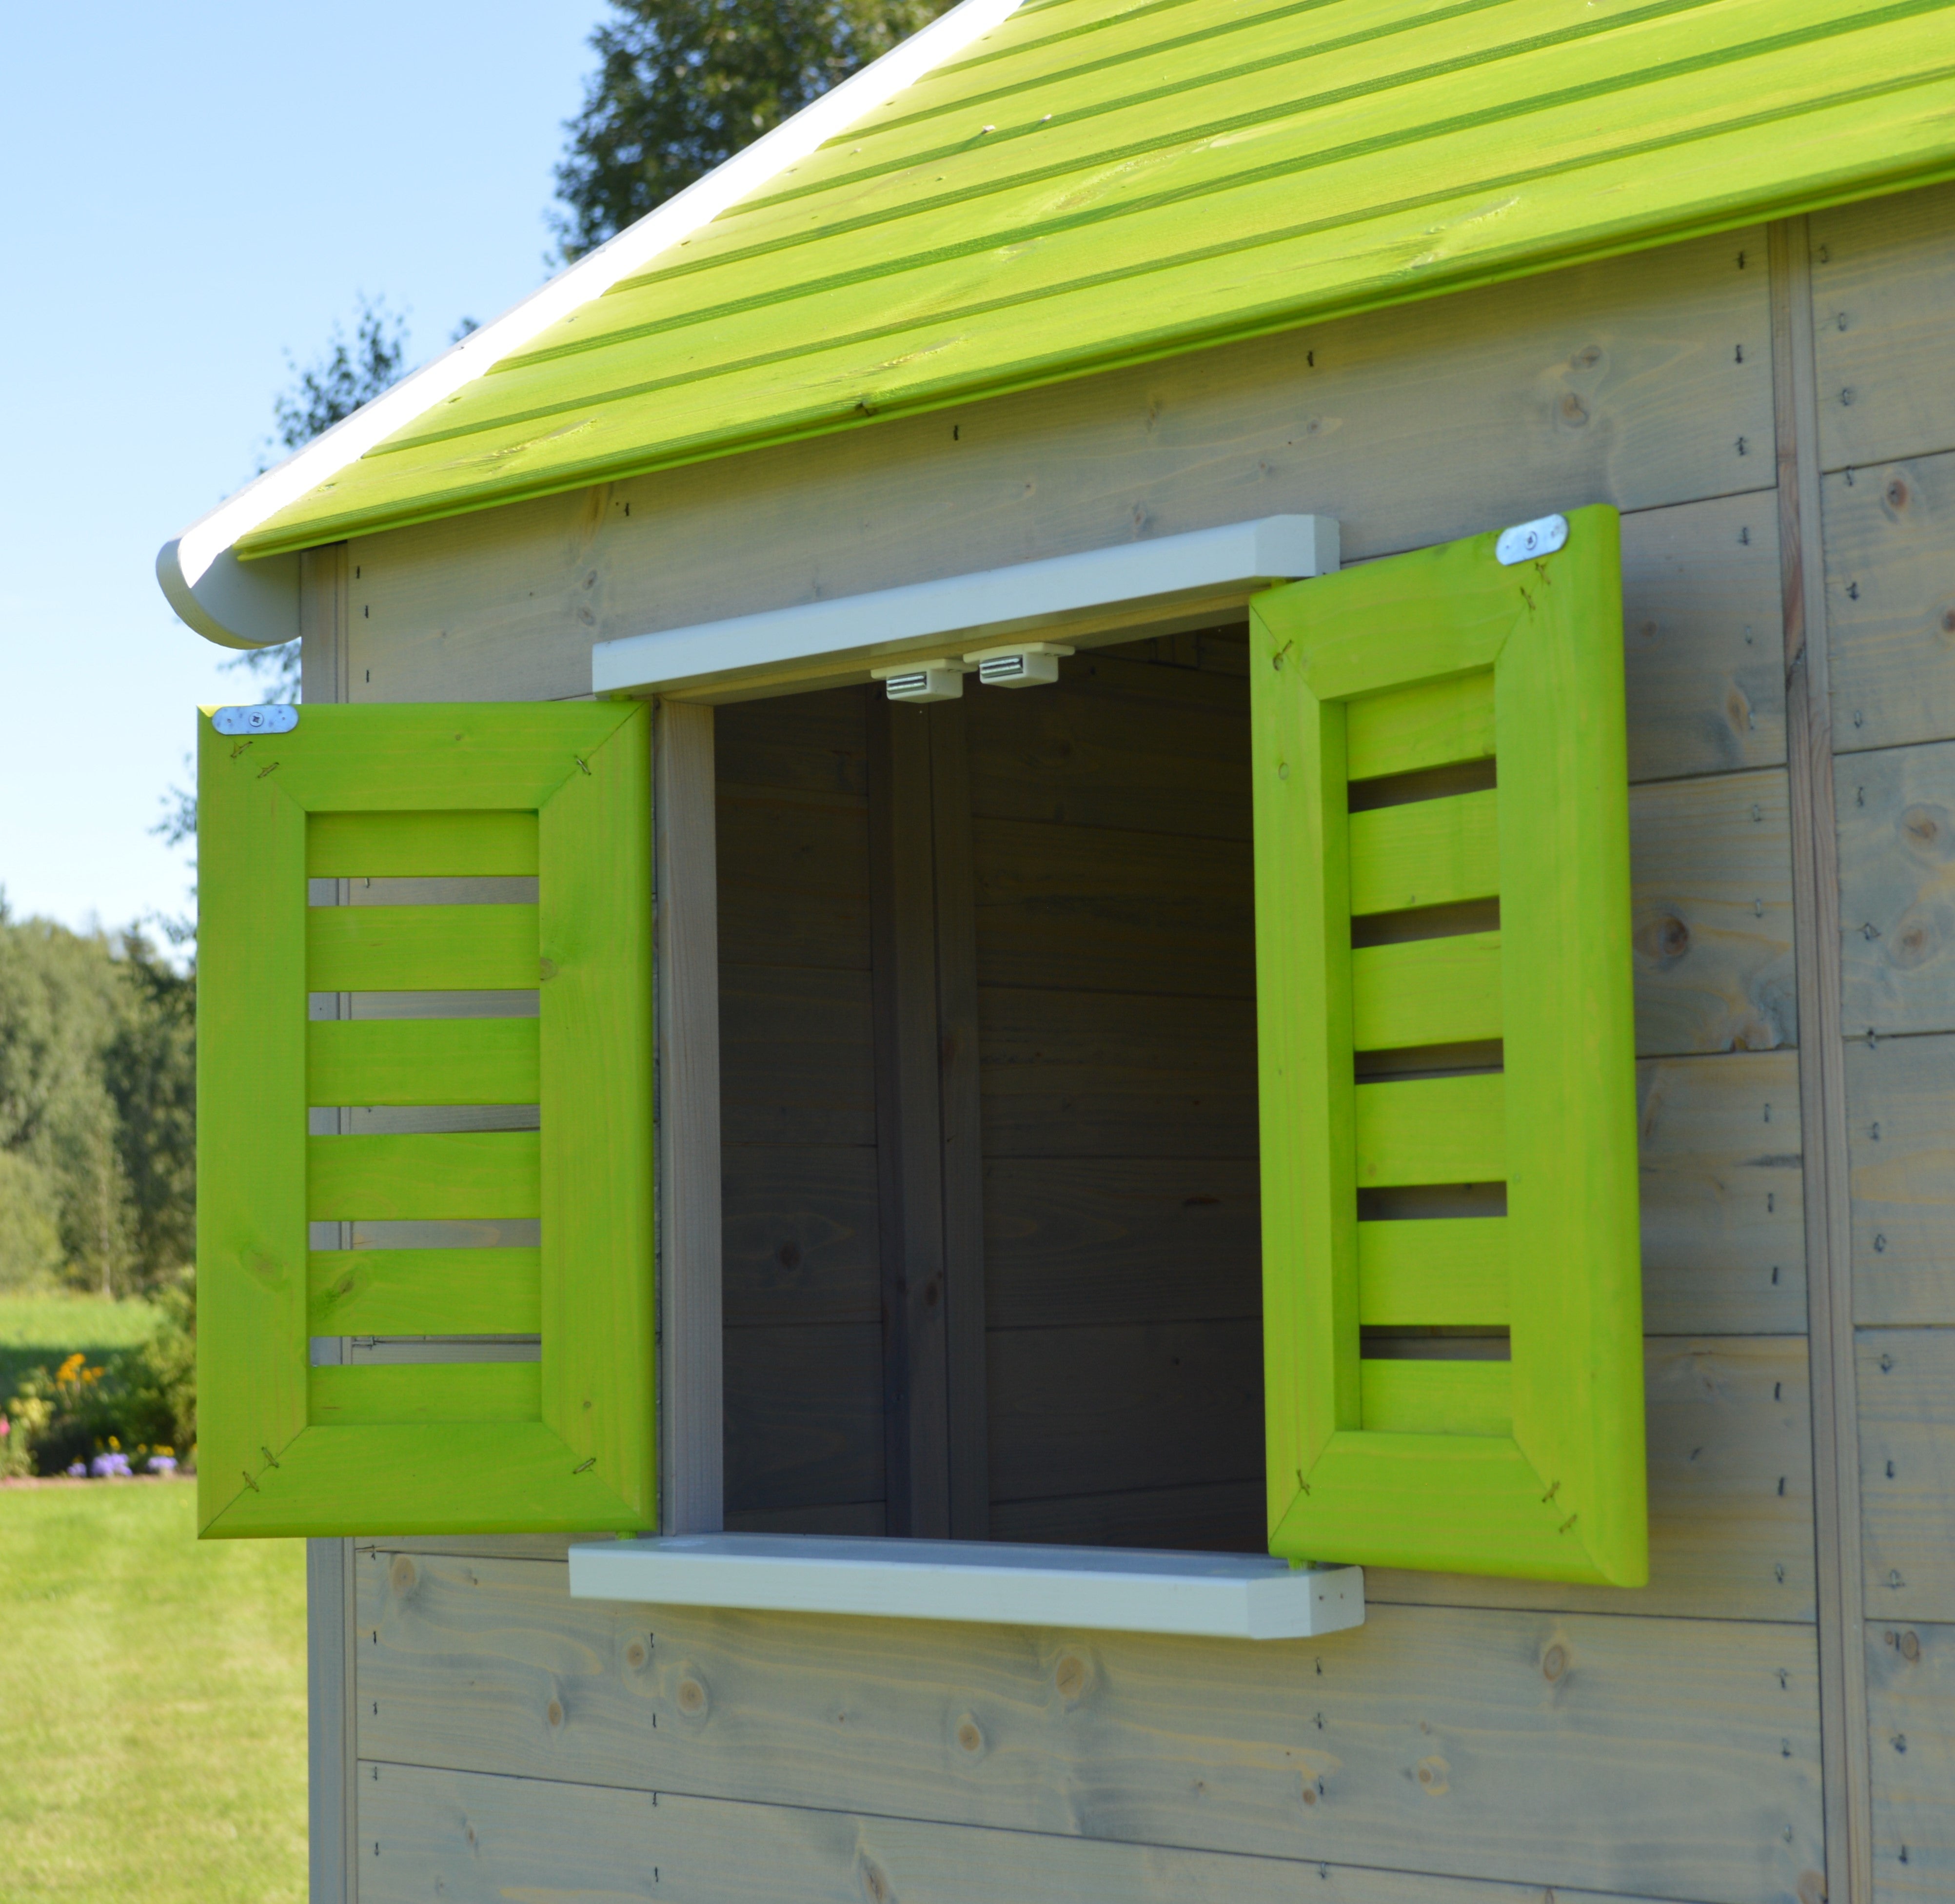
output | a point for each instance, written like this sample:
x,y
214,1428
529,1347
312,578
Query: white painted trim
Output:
x,y
252,605
1107,594
1223,1596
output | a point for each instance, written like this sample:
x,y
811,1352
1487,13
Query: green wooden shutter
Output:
x,y
558,792
1404,905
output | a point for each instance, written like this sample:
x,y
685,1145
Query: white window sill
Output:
x,y
1228,1596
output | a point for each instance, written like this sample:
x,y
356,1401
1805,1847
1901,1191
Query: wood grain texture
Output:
x,y
481,1839
1890,602
804,1415
1897,831
1883,274
1427,852
1666,1757
1092,909
1123,1406
1113,1075
364,846
1911,1710
794,883
795,744
799,1232
1701,637
1901,1135
488,1174
416,948
796,1057
1617,381
1907,1471
1097,1239
1730,1494
1212,1517
1710,862
1723,1228
422,1061
424,1292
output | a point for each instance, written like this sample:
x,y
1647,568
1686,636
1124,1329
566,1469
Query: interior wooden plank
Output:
x,y
1438,1271
1432,1130
799,1227
482,842
1431,724
424,1292
434,1393
795,1057
1907,1468
410,949
813,743
1687,1724
1896,833
794,884
1210,1516
1426,991
1423,1397
803,1414
1901,1137
1911,1715
1427,853
422,1061
480,1174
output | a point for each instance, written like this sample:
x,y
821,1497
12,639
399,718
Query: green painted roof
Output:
x,y
1096,183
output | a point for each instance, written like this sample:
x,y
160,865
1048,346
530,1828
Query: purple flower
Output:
x,y
162,1463
77,1470
103,1465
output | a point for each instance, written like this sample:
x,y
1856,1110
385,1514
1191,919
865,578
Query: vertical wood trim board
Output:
x,y
1843,1718
691,1435
963,1174
323,623
908,1131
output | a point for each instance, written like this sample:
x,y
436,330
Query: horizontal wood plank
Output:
x,y
1907,1471
1116,1074
1441,1272
1099,1408
1431,724
1426,991
804,1415
1428,1395
416,948
1896,811
424,1292
435,1393
1720,1177
422,1061
814,742
1730,1493
1900,1136
1432,1130
1685,1749
1911,1716
798,1234
485,843
1426,853
794,878
1211,1517
1711,863
796,1057
484,1175
1116,1239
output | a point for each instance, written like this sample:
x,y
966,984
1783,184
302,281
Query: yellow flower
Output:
x,y
113,1443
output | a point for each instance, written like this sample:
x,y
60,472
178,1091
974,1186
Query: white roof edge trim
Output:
x,y
856,632
255,605
1223,1596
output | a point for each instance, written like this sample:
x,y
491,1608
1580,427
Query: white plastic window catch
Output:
x,y
924,680
1525,541
1027,664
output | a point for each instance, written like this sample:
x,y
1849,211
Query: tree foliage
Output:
x,y
97,1109
682,85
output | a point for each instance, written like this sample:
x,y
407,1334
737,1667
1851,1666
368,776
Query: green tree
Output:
x,y
682,85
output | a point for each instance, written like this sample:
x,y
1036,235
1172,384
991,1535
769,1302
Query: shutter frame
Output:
x,y
1563,1495
454,1461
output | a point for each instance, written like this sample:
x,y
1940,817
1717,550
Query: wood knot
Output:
x,y
1925,829
875,1882
1431,1774
1309,1789
635,1655
691,1697
1663,939
1574,411
1554,1662
403,1576
969,1736
1896,493
1910,1647
1070,1676
545,968
788,1255
1911,945
553,1714
1948,621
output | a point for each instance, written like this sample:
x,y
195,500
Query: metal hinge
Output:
x,y
1525,541
275,719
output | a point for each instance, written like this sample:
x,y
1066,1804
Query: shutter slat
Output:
x,y
1431,724
1425,991
1434,1273
420,948
422,1061
1420,1397
424,1292
1431,1130
1427,853
454,1392
419,845
479,1174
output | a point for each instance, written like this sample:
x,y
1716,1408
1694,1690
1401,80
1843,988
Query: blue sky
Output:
x,y
192,192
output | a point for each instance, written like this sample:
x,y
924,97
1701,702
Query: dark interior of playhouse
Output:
x,y
1069,866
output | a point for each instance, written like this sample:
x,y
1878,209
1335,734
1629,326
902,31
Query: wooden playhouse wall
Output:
x,y
1477,1736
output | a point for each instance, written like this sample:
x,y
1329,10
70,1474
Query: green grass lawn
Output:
x,y
152,1724
38,1330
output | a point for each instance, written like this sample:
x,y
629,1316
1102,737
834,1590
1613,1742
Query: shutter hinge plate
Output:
x,y
1525,541
276,718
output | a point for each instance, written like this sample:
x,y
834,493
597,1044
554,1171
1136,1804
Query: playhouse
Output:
x,y
1095,1038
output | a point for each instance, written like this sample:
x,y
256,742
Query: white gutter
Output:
x,y
254,604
